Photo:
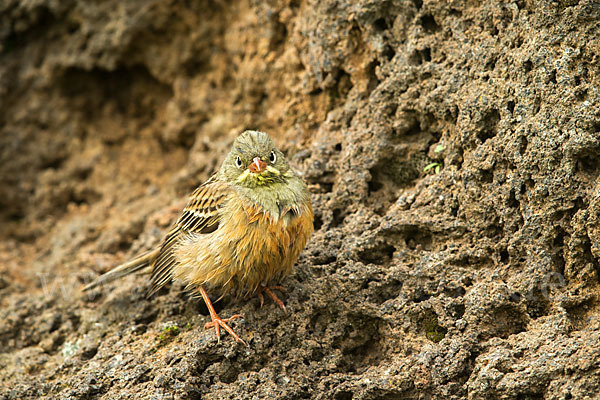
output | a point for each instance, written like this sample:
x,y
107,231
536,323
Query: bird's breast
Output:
x,y
263,247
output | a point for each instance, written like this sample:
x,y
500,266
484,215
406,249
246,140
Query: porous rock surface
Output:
x,y
478,282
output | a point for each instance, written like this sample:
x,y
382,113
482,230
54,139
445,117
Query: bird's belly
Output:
x,y
245,252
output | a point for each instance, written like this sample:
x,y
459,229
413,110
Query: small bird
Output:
x,y
240,232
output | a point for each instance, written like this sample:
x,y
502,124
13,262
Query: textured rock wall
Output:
x,y
479,282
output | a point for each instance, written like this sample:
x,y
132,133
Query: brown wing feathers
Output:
x,y
165,261
200,216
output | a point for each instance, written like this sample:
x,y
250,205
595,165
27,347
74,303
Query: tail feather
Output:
x,y
138,264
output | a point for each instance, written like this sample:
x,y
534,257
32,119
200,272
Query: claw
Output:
x,y
218,322
261,298
272,295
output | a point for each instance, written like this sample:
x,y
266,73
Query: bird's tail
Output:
x,y
140,263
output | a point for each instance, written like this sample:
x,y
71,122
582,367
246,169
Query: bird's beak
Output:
x,y
257,166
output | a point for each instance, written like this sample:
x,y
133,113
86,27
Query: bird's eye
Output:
x,y
238,162
272,157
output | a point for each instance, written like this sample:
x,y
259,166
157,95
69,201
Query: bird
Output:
x,y
239,234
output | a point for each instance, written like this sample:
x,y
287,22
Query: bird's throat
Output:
x,y
276,198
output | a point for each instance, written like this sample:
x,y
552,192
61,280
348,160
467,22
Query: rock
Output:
x,y
477,278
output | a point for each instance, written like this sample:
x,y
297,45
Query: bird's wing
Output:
x,y
200,216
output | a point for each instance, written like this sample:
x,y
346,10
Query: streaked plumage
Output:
x,y
240,232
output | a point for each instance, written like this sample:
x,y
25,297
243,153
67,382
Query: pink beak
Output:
x,y
257,165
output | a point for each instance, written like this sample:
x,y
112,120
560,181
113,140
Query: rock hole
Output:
x,y
40,19
490,122
493,231
559,238
392,172
318,222
582,314
422,297
419,57
503,321
326,187
512,201
588,163
231,372
515,297
323,257
581,94
388,52
279,35
511,106
458,310
454,210
490,65
428,23
455,292
380,254
451,114
361,344
72,26
89,353
486,176
146,316
343,395
52,161
537,105
530,396
523,145
380,24
426,54
372,76
504,256
343,85
338,218
537,304
386,291
374,186
415,238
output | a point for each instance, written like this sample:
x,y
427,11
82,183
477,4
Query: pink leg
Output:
x,y
217,322
272,295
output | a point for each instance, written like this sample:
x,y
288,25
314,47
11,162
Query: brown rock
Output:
x,y
480,281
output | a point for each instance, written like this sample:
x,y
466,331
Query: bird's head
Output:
x,y
254,161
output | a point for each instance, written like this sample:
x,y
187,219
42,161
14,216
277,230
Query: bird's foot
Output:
x,y
269,292
219,323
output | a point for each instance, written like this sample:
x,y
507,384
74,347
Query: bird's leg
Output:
x,y
217,322
267,290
